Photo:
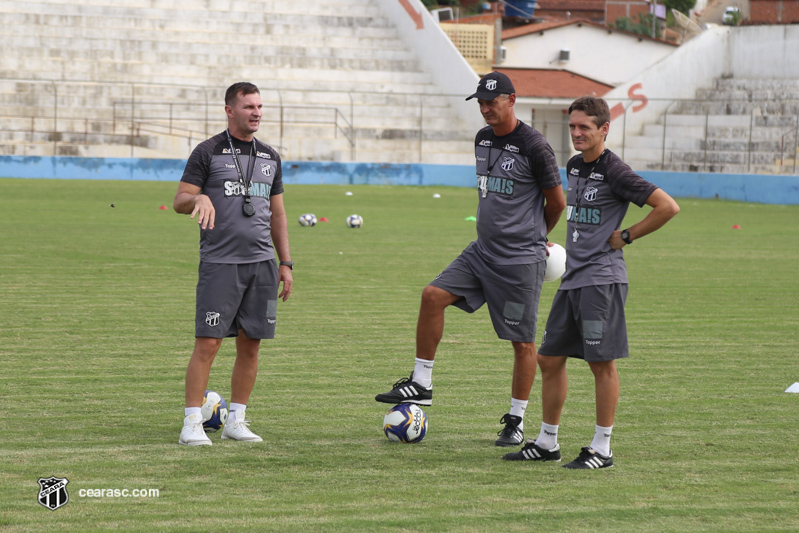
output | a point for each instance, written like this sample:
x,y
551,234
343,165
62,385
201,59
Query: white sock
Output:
x,y
188,411
236,412
601,442
423,372
547,437
517,408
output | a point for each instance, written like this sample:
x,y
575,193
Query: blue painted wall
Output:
x,y
754,188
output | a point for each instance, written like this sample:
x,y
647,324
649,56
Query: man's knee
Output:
x,y
207,347
603,368
434,297
548,363
524,349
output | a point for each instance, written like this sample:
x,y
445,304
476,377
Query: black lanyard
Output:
x,y
249,209
482,182
585,183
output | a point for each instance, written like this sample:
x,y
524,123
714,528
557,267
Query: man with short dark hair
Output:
x,y
233,183
587,318
520,199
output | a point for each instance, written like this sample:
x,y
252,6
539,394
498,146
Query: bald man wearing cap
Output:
x,y
519,201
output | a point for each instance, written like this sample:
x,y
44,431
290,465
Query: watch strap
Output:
x,y
625,236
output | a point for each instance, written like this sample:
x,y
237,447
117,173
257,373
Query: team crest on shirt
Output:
x,y
266,170
590,194
507,164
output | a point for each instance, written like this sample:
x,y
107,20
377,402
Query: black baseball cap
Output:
x,y
492,85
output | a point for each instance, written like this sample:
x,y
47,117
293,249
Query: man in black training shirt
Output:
x,y
587,318
520,200
233,183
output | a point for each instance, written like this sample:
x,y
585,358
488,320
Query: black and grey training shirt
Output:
x,y
512,171
596,202
236,238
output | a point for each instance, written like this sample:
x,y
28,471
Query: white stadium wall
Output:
x,y
747,52
629,53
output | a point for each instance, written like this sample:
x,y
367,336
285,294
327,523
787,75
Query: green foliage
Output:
x,y
96,328
684,6
642,27
734,19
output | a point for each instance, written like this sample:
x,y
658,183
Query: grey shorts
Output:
x,y
511,292
233,297
587,323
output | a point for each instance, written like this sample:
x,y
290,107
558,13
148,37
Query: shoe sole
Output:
x,y
242,440
198,443
427,403
507,444
523,459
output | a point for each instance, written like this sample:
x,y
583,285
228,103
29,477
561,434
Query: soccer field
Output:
x,y
96,328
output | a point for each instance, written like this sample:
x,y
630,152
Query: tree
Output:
x,y
642,27
683,6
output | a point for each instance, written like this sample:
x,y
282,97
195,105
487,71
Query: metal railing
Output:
x,y
734,136
153,121
130,116
126,112
764,139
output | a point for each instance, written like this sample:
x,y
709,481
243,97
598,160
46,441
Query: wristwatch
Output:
x,y
289,264
625,236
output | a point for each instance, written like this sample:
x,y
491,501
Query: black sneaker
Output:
x,y
533,452
510,435
589,458
407,391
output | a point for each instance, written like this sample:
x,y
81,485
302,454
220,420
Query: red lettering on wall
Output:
x,y
639,97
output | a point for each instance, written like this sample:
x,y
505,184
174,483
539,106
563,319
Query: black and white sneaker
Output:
x,y
510,435
533,452
590,458
407,391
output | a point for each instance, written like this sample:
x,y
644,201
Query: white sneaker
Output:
x,y
238,430
193,433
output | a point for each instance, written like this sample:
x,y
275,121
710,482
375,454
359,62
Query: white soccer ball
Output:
x,y
307,220
556,262
214,411
354,221
406,423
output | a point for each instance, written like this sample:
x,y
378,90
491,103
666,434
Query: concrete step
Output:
x,y
762,107
194,21
135,47
637,142
756,84
133,62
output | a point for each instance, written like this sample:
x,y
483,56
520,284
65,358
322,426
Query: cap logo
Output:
x,y
491,84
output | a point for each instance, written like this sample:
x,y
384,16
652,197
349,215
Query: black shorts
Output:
x,y
233,297
587,323
511,291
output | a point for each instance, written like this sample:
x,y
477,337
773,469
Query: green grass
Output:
x,y
96,327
